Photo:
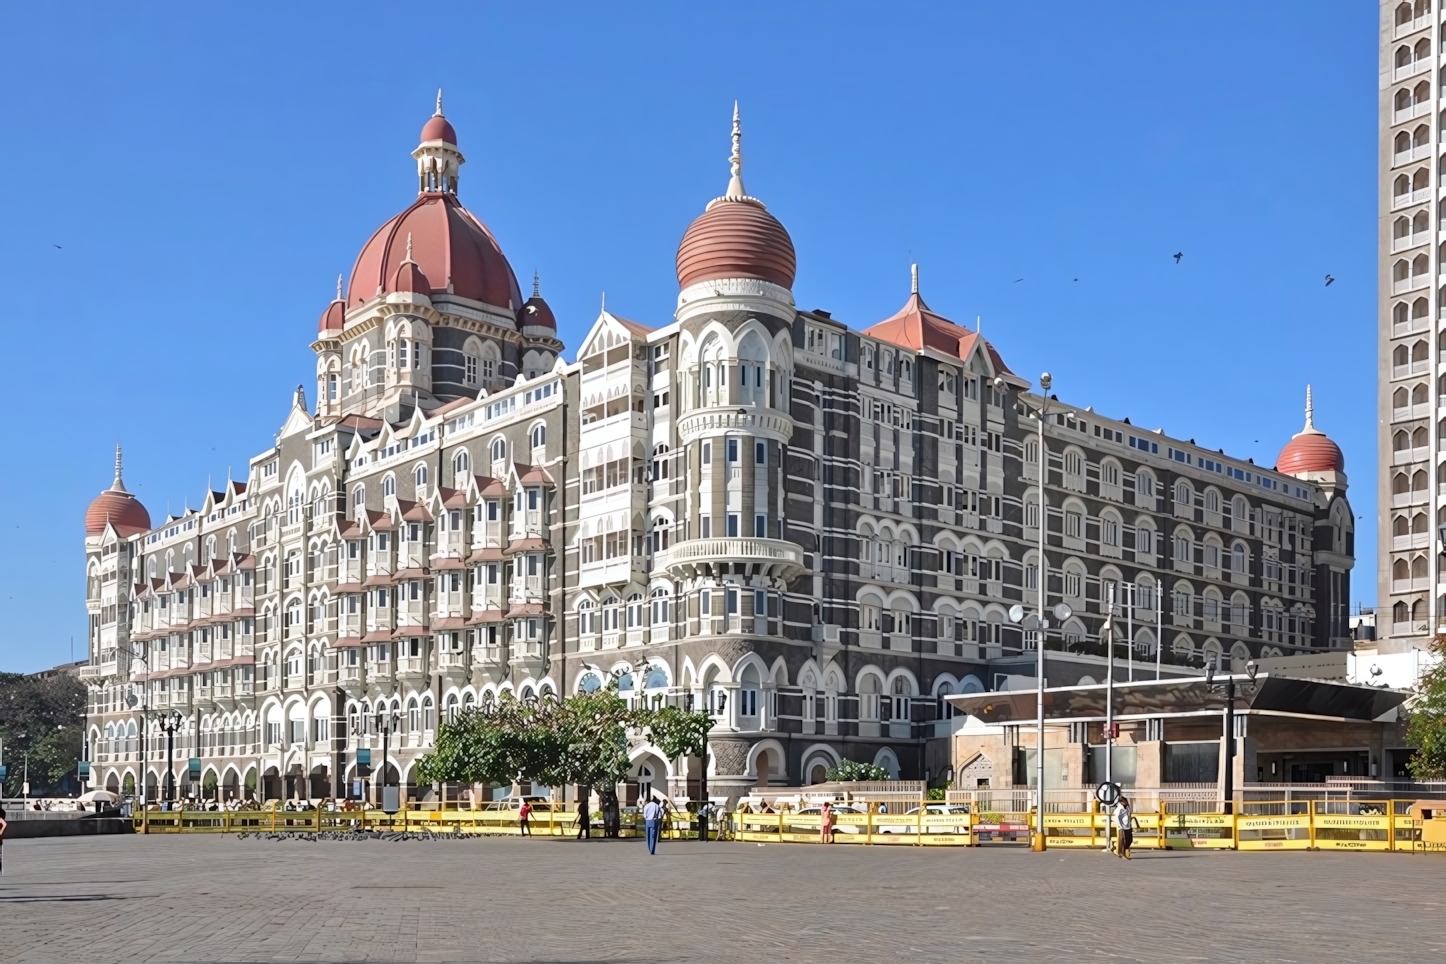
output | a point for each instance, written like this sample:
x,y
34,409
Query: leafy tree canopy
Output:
x,y
1426,720
46,718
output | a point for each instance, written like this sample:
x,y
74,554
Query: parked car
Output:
x,y
837,808
933,810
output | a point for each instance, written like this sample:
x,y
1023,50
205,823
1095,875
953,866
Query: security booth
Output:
x,y
1169,733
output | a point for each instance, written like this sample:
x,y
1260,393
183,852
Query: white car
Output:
x,y
836,809
934,810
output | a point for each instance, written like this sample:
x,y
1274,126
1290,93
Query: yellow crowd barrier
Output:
x,y
1395,825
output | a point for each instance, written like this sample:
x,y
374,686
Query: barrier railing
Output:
x,y
1386,825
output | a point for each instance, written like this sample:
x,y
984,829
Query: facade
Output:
x,y
814,532
1411,305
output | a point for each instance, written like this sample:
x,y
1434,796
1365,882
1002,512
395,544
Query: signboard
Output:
x,y
1108,793
391,799
356,789
83,771
195,768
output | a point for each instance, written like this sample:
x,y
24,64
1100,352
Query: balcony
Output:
x,y
1411,26
1410,197
1410,284
746,420
1412,154
770,557
1411,240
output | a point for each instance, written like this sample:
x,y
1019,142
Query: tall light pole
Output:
x,y
1041,620
170,723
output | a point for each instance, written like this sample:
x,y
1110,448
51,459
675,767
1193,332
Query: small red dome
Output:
x,y
736,237
1310,451
333,318
410,278
536,312
120,509
438,128
451,248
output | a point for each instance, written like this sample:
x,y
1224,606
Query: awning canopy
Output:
x,y
1277,695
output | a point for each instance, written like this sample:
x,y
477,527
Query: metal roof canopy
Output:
x,y
1265,695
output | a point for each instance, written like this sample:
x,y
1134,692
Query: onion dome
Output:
x,y
1310,450
451,248
409,276
117,507
735,236
334,317
536,312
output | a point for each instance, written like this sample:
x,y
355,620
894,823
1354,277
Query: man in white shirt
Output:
x,y
652,821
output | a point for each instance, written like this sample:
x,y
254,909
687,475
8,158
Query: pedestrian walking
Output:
x,y
825,823
522,816
652,818
3,825
1125,822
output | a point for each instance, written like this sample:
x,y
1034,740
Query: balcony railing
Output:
x,y
773,557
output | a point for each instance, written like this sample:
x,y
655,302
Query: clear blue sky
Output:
x,y
207,174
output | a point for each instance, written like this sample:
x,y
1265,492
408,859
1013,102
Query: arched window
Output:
x,y
499,449
461,462
419,475
389,486
539,436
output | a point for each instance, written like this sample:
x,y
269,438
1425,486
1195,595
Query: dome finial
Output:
x,y
338,287
409,247
914,279
118,485
735,160
439,103
535,292
1309,410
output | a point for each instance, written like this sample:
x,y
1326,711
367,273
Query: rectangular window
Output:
x,y
732,525
532,498
760,527
705,603
707,453
733,450
705,524
760,453
731,600
760,603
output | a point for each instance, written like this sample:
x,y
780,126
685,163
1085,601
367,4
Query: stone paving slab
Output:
x,y
220,899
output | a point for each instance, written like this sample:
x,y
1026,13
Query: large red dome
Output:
x,y
736,238
118,507
1310,452
450,245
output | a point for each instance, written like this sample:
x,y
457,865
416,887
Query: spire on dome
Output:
x,y
338,287
735,160
117,485
1309,411
439,103
535,292
409,236
438,159
913,279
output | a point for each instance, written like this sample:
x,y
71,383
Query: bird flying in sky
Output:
x,y
1178,255
1329,280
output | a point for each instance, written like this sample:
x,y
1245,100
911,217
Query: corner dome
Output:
x,y
735,236
438,128
117,507
536,312
334,317
1310,450
409,276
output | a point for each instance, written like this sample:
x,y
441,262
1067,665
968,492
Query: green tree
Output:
x,y
847,770
678,732
46,718
1426,719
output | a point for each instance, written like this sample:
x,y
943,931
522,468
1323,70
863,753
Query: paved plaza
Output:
x,y
224,899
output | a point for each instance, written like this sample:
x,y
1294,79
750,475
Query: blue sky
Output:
x,y
208,173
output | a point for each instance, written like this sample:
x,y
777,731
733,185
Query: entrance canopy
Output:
x,y
1264,695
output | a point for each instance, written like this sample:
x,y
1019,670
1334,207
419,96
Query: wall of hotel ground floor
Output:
x,y
1269,749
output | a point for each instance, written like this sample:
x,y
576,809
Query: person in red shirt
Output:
x,y
522,816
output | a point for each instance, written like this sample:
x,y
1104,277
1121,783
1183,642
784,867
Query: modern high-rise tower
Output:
x,y
1413,212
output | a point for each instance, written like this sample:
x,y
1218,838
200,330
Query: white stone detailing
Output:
x,y
735,420
735,294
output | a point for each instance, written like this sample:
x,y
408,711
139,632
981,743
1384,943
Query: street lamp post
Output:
x,y
1062,612
170,723
1228,738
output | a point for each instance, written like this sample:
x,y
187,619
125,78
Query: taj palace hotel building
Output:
x,y
813,531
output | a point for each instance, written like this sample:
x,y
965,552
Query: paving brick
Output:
x,y
221,899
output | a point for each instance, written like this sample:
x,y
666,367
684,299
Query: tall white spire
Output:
x,y
409,248
735,160
913,279
1310,428
118,485
439,103
338,287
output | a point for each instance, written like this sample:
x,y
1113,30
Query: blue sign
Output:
x,y
195,768
3,771
84,770
364,756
